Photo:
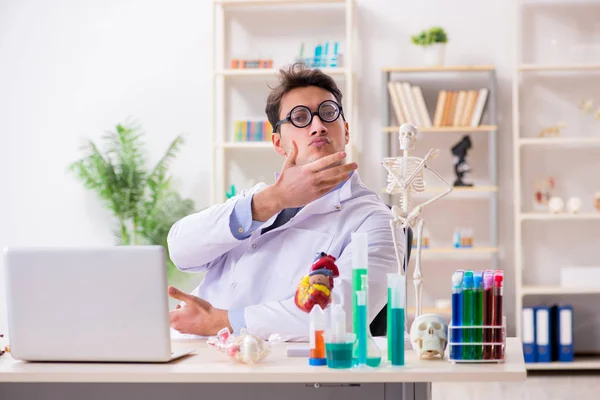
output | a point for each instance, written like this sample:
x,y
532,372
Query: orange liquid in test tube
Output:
x,y
319,350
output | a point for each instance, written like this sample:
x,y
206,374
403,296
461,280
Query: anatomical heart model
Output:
x,y
316,286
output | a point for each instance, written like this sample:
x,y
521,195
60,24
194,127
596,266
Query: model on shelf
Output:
x,y
461,167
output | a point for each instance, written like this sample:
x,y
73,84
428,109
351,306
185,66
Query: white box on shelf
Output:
x,y
580,277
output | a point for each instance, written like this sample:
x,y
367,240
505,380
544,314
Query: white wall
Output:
x,y
71,69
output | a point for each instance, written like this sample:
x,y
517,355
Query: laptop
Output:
x,y
95,304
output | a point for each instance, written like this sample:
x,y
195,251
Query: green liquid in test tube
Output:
x,y
359,268
468,316
395,323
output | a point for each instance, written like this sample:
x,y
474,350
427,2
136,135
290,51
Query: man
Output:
x,y
256,247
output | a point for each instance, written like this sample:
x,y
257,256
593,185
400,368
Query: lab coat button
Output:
x,y
233,285
338,207
254,246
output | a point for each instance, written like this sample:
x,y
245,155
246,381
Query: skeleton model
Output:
x,y
405,177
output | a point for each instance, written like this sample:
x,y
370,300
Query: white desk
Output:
x,y
207,365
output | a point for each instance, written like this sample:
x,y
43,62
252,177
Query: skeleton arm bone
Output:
x,y
393,226
439,196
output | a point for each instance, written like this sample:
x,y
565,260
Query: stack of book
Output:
x,y
548,333
252,131
458,108
409,104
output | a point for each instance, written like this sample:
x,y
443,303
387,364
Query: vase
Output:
x,y
433,55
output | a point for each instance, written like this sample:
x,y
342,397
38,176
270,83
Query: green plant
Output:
x,y
430,36
142,200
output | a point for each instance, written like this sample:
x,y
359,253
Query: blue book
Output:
x,y
564,329
543,330
528,329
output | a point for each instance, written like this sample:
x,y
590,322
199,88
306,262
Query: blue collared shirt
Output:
x,y
242,226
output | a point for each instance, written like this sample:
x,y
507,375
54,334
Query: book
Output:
x,y
528,335
412,104
400,118
461,98
479,107
542,334
564,330
404,103
469,108
421,106
447,107
439,108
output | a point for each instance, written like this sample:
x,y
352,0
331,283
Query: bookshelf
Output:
x,y
546,83
245,85
270,72
435,125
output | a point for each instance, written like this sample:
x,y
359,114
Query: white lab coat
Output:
x,y
261,273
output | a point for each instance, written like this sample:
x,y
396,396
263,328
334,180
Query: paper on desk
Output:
x,y
178,335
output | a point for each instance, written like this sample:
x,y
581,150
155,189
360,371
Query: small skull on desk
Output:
x,y
429,336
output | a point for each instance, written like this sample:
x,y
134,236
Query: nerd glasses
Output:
x,y
301,116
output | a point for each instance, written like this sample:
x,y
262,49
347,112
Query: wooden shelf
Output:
x,y
247,145
243,3
579,363
443,68
550,290
465,250
251,72
547,216
443,129
560,141
558,67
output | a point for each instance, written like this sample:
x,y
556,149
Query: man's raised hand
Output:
x,y
299,185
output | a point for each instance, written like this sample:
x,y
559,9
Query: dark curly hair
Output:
x,y
295,76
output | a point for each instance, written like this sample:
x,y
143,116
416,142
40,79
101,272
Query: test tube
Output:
x,y
468,317
488,312
317,342
361,311
359,268
395,324
457,300
497,336
338,324
478,309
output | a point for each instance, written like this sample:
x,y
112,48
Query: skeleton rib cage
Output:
x,y
395,177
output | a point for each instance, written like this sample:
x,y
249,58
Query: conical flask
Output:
x,y
365,352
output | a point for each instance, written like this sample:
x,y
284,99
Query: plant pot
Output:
x,y
433,55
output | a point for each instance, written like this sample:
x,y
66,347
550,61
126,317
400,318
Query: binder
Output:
x,y
542,334
565,333
529,342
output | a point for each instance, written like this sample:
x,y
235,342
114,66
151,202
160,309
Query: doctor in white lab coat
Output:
x,y
255,247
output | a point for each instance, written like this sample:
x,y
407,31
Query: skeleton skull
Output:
x,y
429,336
408,136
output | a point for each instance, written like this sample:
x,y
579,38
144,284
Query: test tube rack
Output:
x,y
496,348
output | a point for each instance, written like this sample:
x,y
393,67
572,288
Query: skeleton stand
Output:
x,y
405,176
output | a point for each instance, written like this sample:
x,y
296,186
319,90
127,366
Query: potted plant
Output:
x,y
433,41
141,199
